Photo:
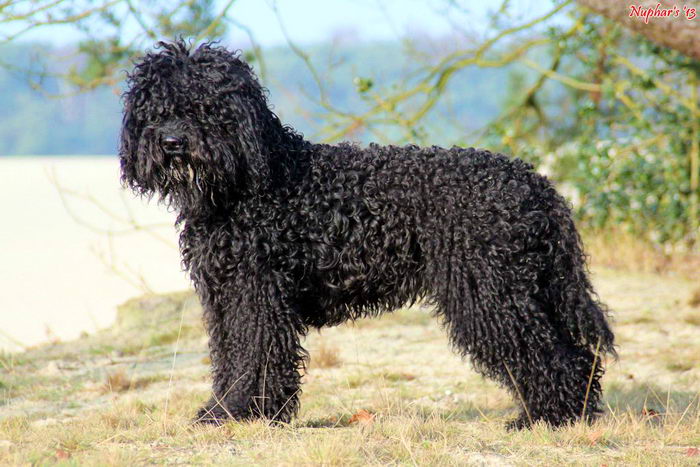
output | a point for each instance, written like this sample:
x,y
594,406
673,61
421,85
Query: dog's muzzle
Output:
x,y
173,145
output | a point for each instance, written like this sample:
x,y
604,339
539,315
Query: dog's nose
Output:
x,y
172,144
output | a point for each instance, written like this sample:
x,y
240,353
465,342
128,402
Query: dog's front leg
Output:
x,y
255,350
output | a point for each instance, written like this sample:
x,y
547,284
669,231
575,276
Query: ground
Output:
x,y
383,391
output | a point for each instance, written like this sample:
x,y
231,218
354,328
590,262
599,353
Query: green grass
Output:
x,y
120,397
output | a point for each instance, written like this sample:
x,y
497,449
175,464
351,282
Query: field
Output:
x,y
383,391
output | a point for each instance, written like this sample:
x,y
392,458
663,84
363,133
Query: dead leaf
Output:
x,y
61,454
402,377
362,417
595,437
695,299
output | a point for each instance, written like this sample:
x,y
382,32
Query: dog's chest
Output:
x,y
211,252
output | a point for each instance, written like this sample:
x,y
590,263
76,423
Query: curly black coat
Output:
x,y
280,234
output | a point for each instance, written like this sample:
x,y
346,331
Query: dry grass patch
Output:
x,y
621,250
694,300
692,318
120,380
425,406
325,355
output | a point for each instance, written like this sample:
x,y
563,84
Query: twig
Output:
x,y
172,367
590,379
517,391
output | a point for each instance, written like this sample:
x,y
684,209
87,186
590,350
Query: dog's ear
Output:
x,y
254,133
139,156
240,107
128,149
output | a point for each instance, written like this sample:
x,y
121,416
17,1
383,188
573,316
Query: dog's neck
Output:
x,y
287,159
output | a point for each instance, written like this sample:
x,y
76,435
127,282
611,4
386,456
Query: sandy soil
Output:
x,y
66,265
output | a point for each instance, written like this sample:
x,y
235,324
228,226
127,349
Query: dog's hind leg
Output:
x,y
511,338
255,352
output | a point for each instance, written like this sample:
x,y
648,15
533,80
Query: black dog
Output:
x,y
281,234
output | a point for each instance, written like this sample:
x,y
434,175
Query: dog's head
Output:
x,y
195,123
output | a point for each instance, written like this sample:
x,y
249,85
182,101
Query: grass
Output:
x,y
376,392
620,249
324,356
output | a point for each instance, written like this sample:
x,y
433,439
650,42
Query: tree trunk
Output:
x,y
681,32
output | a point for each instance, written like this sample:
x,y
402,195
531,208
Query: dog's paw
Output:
x,y
209,415
520,423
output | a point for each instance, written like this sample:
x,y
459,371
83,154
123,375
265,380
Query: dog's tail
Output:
x,y
576,305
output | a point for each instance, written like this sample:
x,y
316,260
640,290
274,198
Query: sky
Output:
x,y
308,21
312,21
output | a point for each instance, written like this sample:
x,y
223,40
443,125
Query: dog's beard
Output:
x,y
183,172
183,178
188,184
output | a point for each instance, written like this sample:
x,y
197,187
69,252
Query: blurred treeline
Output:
x,y
612,117
43,114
